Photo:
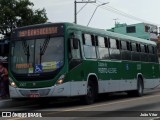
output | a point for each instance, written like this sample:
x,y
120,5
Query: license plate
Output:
x,y
34,95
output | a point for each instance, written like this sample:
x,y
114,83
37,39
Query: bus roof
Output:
x,y
111,34
95,31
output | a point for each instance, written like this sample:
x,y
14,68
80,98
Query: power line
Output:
x,y
121,13
126,15
81,8
75,8
111,9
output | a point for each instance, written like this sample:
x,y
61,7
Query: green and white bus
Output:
x,y
67,60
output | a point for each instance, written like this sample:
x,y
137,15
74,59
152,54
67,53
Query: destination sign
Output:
x,y
38,31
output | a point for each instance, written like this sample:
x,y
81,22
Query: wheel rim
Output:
x,y
140,88
89,93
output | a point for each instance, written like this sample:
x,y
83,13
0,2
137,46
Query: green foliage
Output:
x,y
17,13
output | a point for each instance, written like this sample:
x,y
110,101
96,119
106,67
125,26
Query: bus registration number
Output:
x,y
34,95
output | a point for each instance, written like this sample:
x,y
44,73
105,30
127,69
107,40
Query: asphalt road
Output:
x,y
117,106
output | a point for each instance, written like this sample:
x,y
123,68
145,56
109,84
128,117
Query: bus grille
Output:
x,y
42,92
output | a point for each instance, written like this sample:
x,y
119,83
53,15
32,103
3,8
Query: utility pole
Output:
x,y
75,7
115,21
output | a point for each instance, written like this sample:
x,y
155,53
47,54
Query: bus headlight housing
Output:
x,y
60,80
12,83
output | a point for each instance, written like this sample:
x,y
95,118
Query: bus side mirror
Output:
x,y
75,43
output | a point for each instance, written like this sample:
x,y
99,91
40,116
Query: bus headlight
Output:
x,y
12,83
60,80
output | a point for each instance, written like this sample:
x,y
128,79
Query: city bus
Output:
x,y
69,60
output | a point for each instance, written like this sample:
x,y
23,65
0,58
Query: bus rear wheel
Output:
x,y
139,91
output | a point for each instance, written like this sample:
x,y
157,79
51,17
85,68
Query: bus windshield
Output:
x,y
37,55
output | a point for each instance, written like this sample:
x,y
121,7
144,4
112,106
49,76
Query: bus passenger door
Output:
x,y
75,68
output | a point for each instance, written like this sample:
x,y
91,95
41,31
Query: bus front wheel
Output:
x,y
90,97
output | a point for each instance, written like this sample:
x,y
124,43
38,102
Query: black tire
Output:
x,y
139,91
91,94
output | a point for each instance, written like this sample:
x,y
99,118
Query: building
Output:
x,y
141,30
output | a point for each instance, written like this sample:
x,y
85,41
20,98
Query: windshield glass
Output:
x,y
37,56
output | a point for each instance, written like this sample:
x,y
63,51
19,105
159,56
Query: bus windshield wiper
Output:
x,y
43,48
26,50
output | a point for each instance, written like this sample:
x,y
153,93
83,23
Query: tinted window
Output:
x,y
134,48
123,45
138,47
87,39
75,52
150,48
103,48
113,43
89,46
146,49
101,41
153,50
144,54
129,46
131,29
114,52
142,48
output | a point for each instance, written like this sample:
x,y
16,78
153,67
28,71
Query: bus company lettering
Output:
x,y
108,70
101,64
38,31
138,66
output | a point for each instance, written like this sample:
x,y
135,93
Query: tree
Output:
x,y
17,13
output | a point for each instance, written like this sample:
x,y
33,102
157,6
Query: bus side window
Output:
x,y
103,48
153,50
114,49
125,50
144,53
113,43
129,46
146,49
107,42
156,55
74,49
89,46
139,47
123,45
135,50
142,48
152,57
134,47
118,44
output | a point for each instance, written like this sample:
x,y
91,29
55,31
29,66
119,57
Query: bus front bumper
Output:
x,y
54,91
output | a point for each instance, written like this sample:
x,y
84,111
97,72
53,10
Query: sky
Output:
x,y
63,11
